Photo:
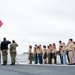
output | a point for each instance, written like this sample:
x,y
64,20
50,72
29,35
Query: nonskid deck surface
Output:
x,y
26,69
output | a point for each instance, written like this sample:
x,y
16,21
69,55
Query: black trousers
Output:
x,y
67,53
41,59
35,58
49,58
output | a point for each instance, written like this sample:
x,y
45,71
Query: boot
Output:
x,y
12,63
4,63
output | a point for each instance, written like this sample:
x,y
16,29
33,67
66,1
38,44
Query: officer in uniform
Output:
x,y
13,53
4,49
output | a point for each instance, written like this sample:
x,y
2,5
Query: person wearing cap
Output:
x,y
4,49
13,52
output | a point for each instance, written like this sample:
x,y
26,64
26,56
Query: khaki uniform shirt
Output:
x,y
39,51
71,46
64,48
48,51
44,51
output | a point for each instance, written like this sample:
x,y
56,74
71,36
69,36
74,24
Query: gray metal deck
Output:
x,y
37,70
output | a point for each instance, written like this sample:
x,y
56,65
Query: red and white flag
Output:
x,y
1,23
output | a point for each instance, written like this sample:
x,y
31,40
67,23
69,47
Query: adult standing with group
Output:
x,y
4,50
71,51
13,52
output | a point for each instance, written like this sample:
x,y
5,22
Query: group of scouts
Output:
x,y
4,50
44,54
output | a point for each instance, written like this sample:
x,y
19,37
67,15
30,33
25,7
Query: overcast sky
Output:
x,y
37,21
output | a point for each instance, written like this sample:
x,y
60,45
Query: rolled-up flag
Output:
x,y
1,23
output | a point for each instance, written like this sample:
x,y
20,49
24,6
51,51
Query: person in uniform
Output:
x,y
13,52
67,53
44,51
35,55
48,54
41,61
71,51
39,52
30,54
54,53
74,53
63,53
51,48
4,49
60,51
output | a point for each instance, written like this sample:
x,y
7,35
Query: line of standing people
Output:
x,y
47,53
40,54
67,50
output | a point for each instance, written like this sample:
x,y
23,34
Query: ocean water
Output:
x,y
23,59
20,59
